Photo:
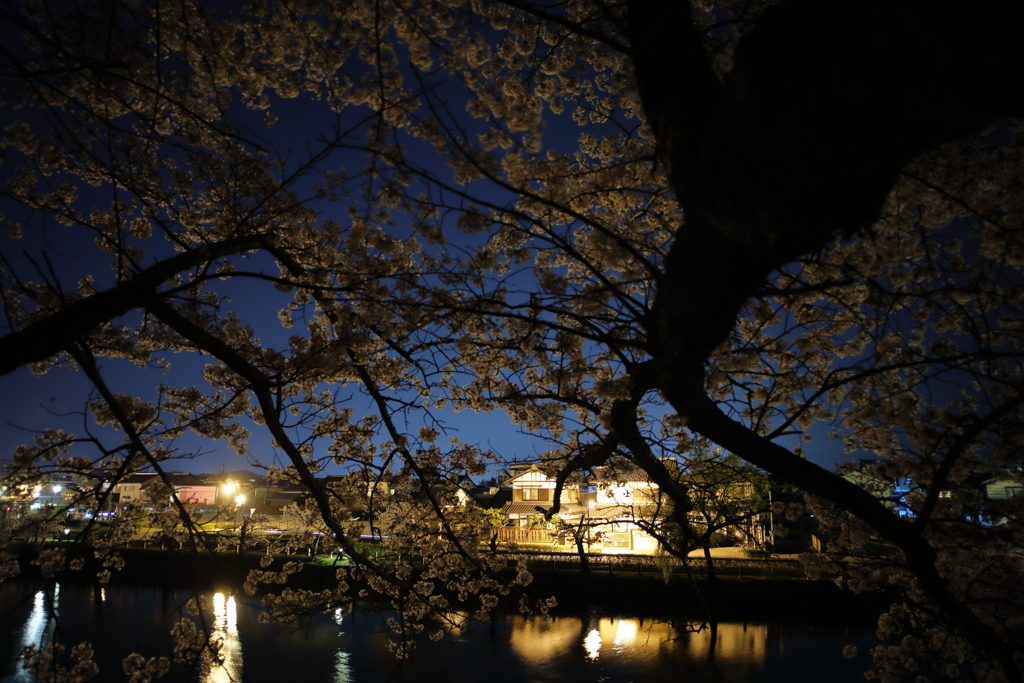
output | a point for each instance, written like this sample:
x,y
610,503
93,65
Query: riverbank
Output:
x,y
730,597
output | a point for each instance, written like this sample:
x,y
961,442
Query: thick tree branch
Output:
x,y
87,362
48,336
963,441
679,91
707,419
262,388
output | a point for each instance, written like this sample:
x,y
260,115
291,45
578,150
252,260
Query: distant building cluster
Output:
x,y
146,489
976,492
614,510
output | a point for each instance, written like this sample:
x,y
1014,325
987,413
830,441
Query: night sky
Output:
x,y
57,399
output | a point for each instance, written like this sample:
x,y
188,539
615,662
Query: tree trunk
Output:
x,y
708,560
584,560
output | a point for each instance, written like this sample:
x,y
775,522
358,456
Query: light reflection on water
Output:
x,y
38,629
621,635
592,644
736,642
342,665
226,667
348,647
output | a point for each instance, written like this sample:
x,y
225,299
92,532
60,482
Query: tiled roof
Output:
x,y
532,468
641,511
496,500
531,508
624,473
138,478
185,479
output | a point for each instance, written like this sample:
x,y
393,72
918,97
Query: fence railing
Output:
x,y
644,564
519,535
612,563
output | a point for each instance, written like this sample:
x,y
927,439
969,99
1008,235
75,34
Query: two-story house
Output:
x,y
607,509
1003,485
623,500
131,489
533,489
141,488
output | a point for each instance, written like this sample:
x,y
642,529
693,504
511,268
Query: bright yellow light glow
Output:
x,y
226,666
239,499
229,488
625,632
592,644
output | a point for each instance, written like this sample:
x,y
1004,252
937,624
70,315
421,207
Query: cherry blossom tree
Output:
x,y
728,497
625,225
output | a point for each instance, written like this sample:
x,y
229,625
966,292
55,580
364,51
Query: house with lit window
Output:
x,y
131,489
997,490
142,488
1004,485
190,490
533,494
624,499
605,510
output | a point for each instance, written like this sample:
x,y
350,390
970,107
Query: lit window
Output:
x,y
535,494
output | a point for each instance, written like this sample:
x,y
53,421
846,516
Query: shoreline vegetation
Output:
x,y
745,589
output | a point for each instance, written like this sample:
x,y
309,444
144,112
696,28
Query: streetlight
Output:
x,y
229,488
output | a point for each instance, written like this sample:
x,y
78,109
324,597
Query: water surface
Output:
x,y
351,647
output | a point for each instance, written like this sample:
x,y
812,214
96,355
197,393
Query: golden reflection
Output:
x,y
537,641
737,642
625,633
456,622
592,644
225,631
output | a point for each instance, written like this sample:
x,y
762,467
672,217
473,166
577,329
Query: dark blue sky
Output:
x,y
57,399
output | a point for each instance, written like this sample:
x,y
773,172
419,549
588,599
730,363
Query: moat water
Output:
x,y
351,646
